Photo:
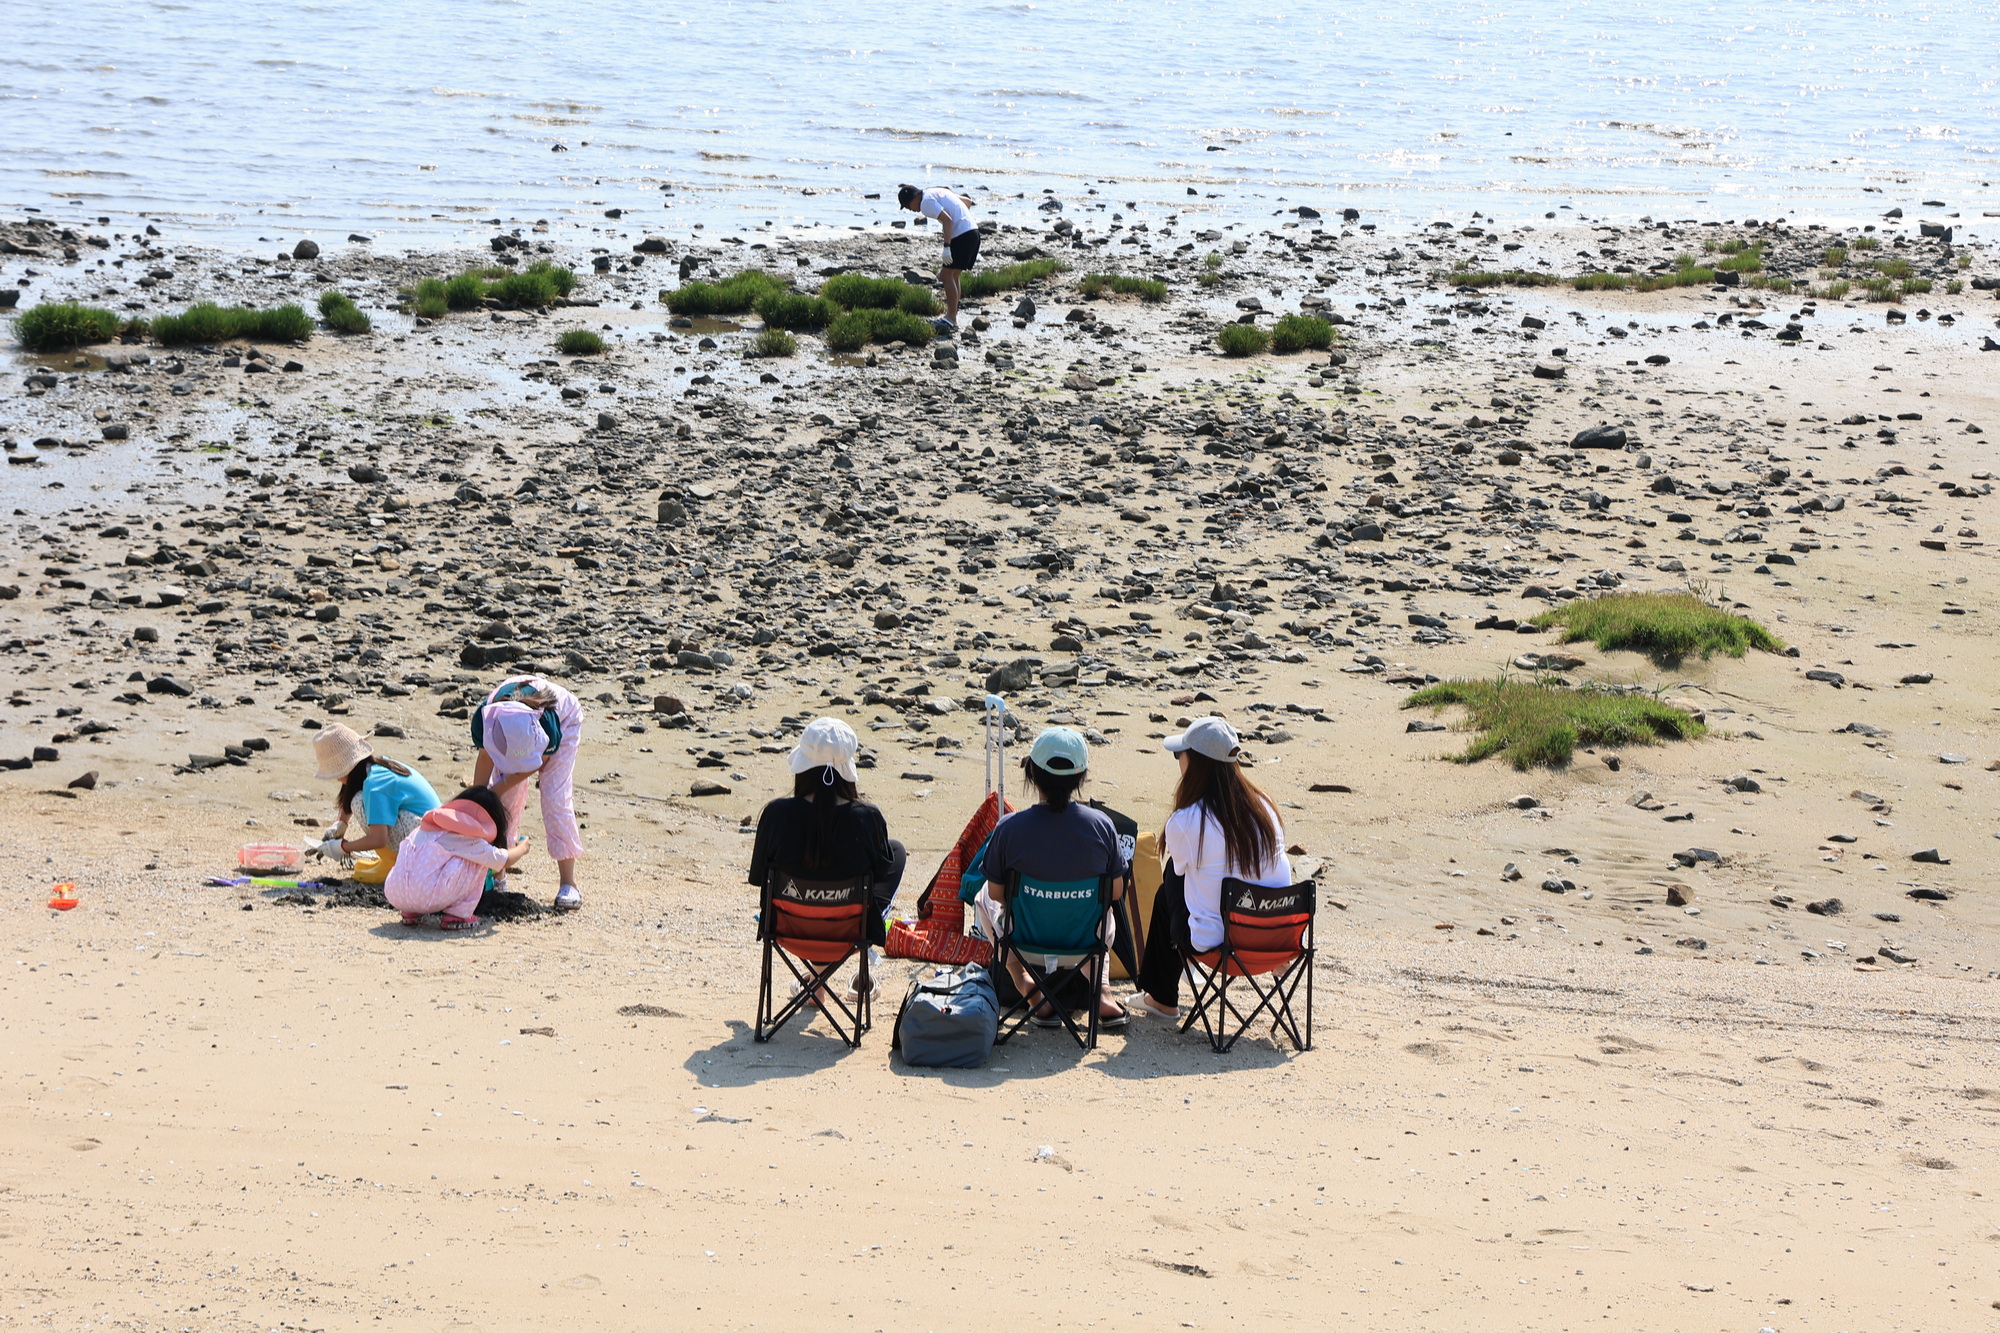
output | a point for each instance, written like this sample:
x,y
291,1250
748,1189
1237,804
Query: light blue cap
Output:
x,y
1060,750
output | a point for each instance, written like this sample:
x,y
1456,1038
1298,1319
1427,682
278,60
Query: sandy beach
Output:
x,y
1731,1069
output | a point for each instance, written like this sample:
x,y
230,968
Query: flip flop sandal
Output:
x,y
413,918
457,922
1108,1021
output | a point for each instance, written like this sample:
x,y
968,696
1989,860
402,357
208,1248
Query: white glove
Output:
x,y
331,850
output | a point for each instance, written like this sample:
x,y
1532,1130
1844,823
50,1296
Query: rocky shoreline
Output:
x,y
1078,503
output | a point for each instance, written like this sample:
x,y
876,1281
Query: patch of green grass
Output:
x,y
1880,289
1146,289
62,325
1295,333
1242,339
1965,261
1863,243
1835,256
774,342
1893,268
734,295
1666,625
1513,277
1836,290
579,342
857,291
1211,270
1540,725
1766,282
540,284
1686,273
991,282
427,299
341,314
1916,286
792,310
1954,287
207,322
857,328
467,291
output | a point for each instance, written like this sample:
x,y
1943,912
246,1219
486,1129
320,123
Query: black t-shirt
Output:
x,y
856,844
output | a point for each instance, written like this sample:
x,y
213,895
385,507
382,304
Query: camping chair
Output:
x,y
1267,933
1056,930
815,926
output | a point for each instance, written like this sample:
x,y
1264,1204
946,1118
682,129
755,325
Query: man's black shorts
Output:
x,y
965,249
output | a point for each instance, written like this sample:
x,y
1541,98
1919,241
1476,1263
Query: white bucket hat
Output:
x,y
338,749
512,735
827,742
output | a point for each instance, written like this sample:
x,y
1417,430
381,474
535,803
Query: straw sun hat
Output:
x,y
338,750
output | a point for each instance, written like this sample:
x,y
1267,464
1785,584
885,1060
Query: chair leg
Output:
x,y
1310,951
763,1031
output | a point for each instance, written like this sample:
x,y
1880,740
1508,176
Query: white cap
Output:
x,y
827,742
1209,736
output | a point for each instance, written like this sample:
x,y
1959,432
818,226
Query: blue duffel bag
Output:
x,y
948,1021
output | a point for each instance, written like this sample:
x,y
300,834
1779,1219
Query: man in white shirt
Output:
x,y
961,239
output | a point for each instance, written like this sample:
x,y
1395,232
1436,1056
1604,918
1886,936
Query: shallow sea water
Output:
x,y
416,123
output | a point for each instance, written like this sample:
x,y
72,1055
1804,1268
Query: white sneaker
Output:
x,y
567,899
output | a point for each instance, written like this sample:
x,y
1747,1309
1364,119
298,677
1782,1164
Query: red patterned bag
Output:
x,y
938,934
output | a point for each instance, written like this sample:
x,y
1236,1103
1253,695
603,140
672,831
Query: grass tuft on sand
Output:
x,y
1686,273
1296,333
1668,626
1513,277
857,328
206,322
856,291
774,342
796,312
1540,724
541,284
1242,340
60,326
341,314
734,295
1150,290
991,282
579,342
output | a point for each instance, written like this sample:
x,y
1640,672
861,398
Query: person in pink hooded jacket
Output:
x,y
442,867
531,727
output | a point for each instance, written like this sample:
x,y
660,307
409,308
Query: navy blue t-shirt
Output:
x,y
1054,844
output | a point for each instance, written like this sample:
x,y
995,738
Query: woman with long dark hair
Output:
x,y
1222,827
385,797
824,830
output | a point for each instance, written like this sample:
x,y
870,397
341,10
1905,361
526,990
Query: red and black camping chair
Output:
x,y
1266,949
814,927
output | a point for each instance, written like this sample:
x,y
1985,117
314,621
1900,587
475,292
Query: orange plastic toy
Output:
x,y
65,897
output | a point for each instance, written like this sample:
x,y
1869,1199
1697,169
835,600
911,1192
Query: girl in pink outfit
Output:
x,y
442,866
532,727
